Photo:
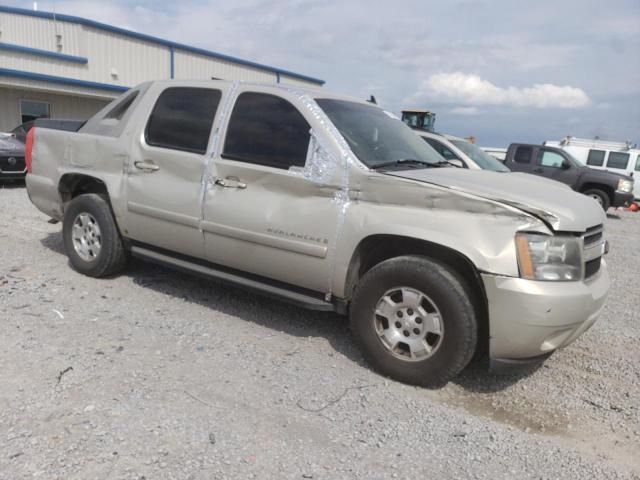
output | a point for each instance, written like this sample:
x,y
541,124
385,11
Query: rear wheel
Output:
x,y
599,196
91,237
414,321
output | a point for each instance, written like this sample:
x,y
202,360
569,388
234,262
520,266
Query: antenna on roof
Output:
x,y
373,100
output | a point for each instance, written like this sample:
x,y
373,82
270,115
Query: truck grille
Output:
x,y
593,241
11,164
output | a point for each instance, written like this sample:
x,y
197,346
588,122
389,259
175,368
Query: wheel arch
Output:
x,y
598,186
71,185
377,248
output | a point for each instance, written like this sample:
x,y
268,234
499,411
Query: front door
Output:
x,y
164,180
261,215
552,164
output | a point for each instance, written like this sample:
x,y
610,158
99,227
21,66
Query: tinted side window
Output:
x,y
551,159
523,155
182,118
446,153
618,160
596,158
638,164
267,130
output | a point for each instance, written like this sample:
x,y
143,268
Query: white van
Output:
x,y
618,157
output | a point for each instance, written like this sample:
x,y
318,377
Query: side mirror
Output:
x,y
457,162
566,164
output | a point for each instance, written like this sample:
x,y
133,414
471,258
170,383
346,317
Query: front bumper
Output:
x,y
622,199
529,319
12,166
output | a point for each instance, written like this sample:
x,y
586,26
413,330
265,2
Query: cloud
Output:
x,y
472,90
521,62
465,111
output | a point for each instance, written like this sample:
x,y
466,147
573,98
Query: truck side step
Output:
x,y
305,299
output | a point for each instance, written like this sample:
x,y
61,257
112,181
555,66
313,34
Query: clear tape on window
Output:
x,y
320,166
207,181
323,164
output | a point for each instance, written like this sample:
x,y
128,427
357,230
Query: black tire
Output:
x,y
445,289
600,196
112,255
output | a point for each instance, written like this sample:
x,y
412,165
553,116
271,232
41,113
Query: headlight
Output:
x,y
625,186
549,258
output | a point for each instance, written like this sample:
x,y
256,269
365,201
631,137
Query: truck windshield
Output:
x,y
482,158
376,138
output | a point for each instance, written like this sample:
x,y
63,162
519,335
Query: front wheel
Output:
x,y
599,196
414,321
91,237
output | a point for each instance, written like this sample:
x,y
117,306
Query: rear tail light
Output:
x,y
28,148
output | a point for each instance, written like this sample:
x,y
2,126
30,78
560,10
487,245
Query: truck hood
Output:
x,y
553,202
613,177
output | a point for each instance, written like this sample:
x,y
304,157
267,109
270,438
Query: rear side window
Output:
x,y
267,130
182,119
618,160
638,164
445,152
596,158
523,155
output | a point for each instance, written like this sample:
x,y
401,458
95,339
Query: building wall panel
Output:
x,y
285,79
22,83
192,66
61,106
136,61
41,33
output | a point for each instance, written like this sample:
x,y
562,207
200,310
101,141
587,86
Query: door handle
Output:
x,y
146,166
538,170
230,182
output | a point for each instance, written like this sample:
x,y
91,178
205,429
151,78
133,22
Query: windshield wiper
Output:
x,y
405,161
447,162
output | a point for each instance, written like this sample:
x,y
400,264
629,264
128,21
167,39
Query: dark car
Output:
x,y
20,132
12,164
609,189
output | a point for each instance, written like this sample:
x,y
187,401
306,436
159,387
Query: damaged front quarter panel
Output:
x,y
482,230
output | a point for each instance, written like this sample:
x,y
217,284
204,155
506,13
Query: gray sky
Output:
x,y
500,70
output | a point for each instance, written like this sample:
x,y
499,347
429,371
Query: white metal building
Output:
x,y
68,67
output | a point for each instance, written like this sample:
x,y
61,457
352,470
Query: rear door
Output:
x,y
260,214
164,178
619,162
522,160
595,158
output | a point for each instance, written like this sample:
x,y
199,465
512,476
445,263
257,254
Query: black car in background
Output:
x,y
20,132
12,165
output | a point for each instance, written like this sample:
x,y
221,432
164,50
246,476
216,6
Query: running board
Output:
x,y
262,287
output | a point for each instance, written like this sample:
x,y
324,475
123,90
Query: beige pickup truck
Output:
x,y
332,204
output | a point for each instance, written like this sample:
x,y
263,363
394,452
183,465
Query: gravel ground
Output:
x,y
158,375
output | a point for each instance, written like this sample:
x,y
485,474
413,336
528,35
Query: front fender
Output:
x,y
486,238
